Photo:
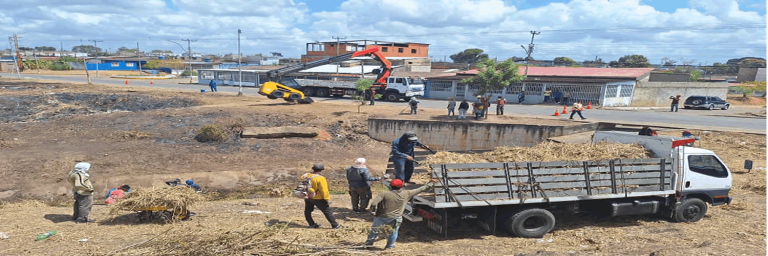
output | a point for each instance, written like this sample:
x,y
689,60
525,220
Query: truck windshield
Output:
x,y
415,81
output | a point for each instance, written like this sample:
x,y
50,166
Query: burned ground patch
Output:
x,y
6,85
15,108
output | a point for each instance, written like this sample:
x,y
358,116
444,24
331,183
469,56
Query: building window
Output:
x,y
129,64
441,86
384,49
115,64
400,50
413,50
626,90
207,75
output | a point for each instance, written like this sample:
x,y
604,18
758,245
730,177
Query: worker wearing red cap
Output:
x,y
388,207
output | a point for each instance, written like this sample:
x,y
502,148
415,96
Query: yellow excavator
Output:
x,y
275,90
289,90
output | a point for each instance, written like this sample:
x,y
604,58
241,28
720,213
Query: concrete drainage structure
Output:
x,y
466,136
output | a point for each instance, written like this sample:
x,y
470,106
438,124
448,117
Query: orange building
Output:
x,y
321,50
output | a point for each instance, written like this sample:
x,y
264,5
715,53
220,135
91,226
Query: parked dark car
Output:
x,y
706,102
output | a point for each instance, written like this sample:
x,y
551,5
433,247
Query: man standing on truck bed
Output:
x,y
402,155
388,207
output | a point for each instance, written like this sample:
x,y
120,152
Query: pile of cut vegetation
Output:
x,y
158,198
547,152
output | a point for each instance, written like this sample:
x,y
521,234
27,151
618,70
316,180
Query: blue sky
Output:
x,y
700,31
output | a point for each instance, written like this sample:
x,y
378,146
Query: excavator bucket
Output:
x,y
306,100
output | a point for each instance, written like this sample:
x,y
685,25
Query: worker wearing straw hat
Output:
x,y
359,179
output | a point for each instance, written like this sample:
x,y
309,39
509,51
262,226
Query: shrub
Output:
x,y
212,133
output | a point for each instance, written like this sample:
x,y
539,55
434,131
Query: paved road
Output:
x,y
692,119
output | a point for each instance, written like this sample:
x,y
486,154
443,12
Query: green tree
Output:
x,y
45,48
90,49
750,87
125,49
494,76
362,86
469,56
564,61
631,61
593,63
752,63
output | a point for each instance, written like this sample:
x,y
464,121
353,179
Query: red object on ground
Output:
x,y
556,113
126,81
589,105
564,111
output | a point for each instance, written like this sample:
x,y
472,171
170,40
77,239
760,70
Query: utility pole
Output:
x,y
11,40
19,64
529,51
189,56
337,51
61,48
97,58
137,56
239,63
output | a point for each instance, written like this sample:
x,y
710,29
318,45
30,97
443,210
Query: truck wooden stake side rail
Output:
x,y
520,196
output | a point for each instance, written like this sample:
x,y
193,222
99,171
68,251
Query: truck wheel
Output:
x,y
271,97
321,92
308,91
278,94
726,107
690,210
711,107
392,96
294,96
531,223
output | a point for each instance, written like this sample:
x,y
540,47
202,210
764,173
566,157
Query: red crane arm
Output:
x,y
386,66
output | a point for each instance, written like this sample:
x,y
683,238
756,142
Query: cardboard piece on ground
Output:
x,y
278,132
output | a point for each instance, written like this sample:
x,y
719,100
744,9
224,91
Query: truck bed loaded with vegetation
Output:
x,y
522,196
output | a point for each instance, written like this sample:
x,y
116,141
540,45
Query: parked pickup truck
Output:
x,y
679,182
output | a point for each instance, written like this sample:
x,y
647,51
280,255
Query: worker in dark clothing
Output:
x,y
359,179
402,155
463,107
675,103
212,84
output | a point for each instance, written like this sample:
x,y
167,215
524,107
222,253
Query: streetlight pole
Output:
x,y
97,57
189,54
239,63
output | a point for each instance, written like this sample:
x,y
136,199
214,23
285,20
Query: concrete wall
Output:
x,y
463,136
657,93
760,75
746,74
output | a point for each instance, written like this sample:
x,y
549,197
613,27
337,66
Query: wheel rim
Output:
x,y
711,107
534,223
392,97
691,212
321,93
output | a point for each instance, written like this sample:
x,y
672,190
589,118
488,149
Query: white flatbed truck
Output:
x,y
520,196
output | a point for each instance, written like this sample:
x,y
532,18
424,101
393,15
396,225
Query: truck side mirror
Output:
x,y
748,165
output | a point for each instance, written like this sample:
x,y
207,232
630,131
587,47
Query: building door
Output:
x,y
460,90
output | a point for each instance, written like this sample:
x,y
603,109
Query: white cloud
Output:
x,y
579,29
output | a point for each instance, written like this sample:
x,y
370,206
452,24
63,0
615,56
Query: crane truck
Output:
x,y
392,88
679,183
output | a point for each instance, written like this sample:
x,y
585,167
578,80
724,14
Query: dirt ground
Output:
x,y
145,136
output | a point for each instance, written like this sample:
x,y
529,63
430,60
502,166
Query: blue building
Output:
x,y
128,64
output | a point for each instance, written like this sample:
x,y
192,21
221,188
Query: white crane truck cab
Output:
x,y
403,88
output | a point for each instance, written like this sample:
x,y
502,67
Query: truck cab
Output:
x,y
699,172
403,88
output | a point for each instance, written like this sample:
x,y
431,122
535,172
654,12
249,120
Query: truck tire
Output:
x,y
278,94
392,96
294,96
711,107
690,210
726,107
308,91
321,92
531,223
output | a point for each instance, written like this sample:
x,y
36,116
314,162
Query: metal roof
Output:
x,y
578,72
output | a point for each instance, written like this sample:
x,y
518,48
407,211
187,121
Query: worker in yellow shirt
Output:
x,y
321,198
